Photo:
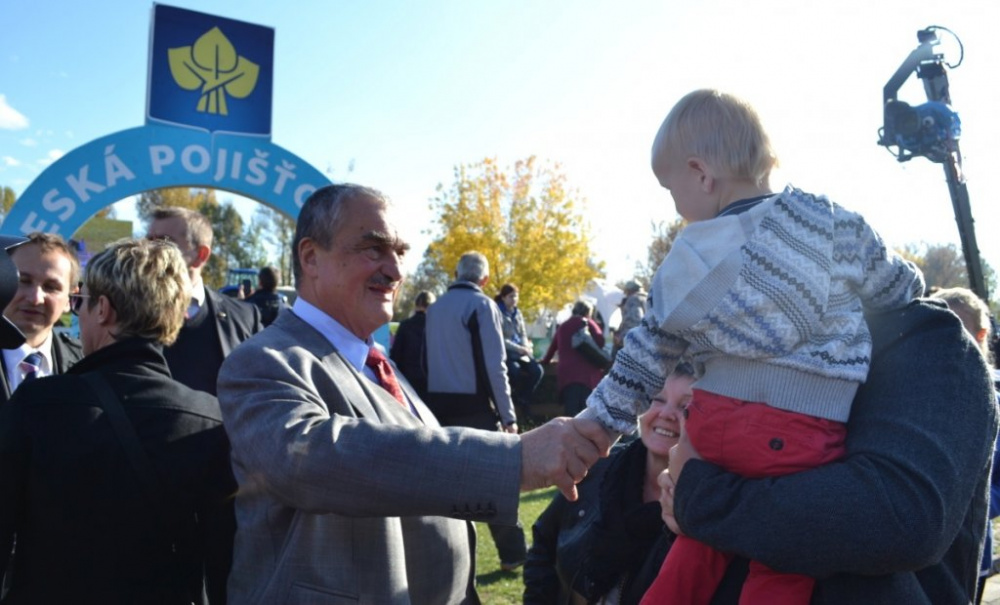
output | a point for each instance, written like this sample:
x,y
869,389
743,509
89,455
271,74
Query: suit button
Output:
x,y
776,444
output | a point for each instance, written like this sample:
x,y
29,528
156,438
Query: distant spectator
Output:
x,y
466,380
409,349
575,375
266,297
523,370
633,309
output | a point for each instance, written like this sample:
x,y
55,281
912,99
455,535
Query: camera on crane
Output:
x,y
929,130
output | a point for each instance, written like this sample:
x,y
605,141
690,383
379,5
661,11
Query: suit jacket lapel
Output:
x,y
367,398
221,321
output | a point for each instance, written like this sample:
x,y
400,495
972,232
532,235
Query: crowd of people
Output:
x,y
811,427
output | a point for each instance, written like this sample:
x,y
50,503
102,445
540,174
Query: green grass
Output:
x,y
498,587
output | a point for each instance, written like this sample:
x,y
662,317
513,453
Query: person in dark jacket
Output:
x,y
215,324
95,524
409,347
48,270
266,297
902,518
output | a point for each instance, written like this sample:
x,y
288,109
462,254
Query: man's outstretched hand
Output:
x,y
560,452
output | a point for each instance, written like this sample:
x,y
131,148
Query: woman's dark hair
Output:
x,y
504,291
582,308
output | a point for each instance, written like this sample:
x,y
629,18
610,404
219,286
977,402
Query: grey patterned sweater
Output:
x,y
768,304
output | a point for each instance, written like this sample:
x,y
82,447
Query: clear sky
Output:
x,y
404,91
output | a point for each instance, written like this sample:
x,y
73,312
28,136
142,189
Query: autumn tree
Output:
x,y
7,199
424,278
278,230
944,266
179,197
526,221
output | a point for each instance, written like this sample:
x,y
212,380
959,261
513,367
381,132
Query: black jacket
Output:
x,y
197,355
901,519
608,538
66,351
87,529
409,351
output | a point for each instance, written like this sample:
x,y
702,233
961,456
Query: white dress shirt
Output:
x,y
12,359
351,348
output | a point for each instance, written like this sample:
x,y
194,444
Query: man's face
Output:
x,y
356,281
42,293
175,230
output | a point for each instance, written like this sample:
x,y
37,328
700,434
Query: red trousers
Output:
x,y
752,440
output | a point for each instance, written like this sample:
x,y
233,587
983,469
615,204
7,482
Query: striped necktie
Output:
x,y
30,366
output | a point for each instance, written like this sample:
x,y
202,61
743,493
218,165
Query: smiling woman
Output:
x,y
608,545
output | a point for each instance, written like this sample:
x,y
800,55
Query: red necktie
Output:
x,y
386,377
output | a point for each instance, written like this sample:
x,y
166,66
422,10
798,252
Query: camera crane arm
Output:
x,y
932,131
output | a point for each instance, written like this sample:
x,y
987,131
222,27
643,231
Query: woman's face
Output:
x,y
660,426
510,301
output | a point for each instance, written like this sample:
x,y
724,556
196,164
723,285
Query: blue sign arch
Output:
x,y
114,167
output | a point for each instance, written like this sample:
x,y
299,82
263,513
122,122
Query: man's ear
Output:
x,y
105,312
483,281
201,256
307,256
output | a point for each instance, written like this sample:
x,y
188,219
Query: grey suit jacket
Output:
x,y
344,495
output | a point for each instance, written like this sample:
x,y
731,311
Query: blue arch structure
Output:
x,y
129,162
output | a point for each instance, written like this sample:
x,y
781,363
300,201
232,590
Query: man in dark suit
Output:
x,y
350,490
48,271
215,323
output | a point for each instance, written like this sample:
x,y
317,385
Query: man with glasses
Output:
x,y
48,270
215,323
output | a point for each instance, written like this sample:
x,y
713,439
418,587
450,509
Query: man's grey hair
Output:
x,y
321,217
473,267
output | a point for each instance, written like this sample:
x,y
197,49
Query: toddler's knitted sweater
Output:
x,y
768,304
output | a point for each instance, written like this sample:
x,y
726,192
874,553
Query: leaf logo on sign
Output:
x,y
212,64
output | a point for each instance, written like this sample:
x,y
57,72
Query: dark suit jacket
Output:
x,y
66,351
235,321
87,530
409,351
902,518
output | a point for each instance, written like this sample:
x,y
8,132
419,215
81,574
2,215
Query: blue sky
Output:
x,y
404,91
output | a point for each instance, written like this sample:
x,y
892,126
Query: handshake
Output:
x,y
561,451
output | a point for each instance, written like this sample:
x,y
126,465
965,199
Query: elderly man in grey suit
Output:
x,y
350,491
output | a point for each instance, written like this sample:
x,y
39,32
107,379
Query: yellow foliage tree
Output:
x,y
528,224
